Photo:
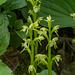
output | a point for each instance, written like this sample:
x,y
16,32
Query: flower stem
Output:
x,y
49,51
36,43
32,51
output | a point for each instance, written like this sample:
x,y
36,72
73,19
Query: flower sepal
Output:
x,y
56,59
31,68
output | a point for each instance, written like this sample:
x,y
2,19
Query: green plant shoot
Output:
x,y
31,44
33,40
51,42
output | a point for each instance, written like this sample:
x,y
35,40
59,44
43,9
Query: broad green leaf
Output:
x,y
24,12
15,40
11,16
59,10
18,24
4,69
1,19
2,1
21,34
4,36
45,72
15,4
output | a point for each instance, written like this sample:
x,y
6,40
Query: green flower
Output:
x,y
25,46
39,39
39,19
36,8
33,25
29,19
26,43
54,40
31,68
49,19
44,30
30,12
55,29
52,43
24,28
56,59
41,58
73,15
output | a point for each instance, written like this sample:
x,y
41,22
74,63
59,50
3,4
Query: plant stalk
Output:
x,y
36,43
49,51
32,51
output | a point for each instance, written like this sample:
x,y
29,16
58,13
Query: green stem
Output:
x,y
34,17
49,51
36,43
63,45
32,51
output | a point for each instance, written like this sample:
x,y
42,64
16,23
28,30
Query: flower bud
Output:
x,y
36,8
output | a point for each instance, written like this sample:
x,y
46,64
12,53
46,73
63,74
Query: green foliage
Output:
x,y
60,11
73,41
25,12
2,1
4,70
16,35
45,72
1,19
4,35
15,40
15,4
42,58
32,42
21,34
18,24
11,16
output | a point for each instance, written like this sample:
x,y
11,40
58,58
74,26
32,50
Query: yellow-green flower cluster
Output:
x,y
73,15
35,5
41,58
